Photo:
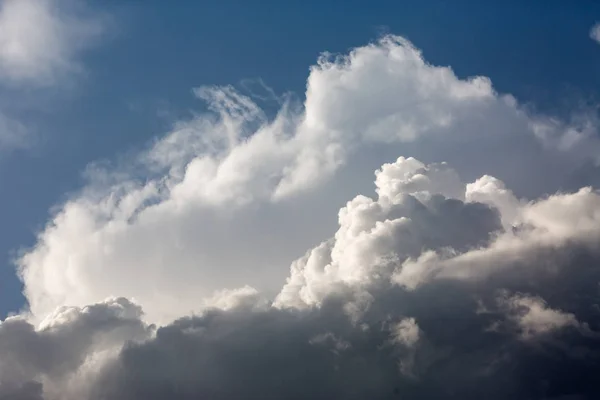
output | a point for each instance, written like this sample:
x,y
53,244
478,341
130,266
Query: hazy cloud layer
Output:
x,y
469,270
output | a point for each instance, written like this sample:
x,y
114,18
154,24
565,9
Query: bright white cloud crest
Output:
x,y
232,197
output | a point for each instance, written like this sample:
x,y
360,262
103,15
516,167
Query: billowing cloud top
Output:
x,y
469,271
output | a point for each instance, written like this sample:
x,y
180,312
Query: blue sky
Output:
x,y
138,77
401,197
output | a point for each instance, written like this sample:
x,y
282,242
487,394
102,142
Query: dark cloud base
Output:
x,y
469,348
526,330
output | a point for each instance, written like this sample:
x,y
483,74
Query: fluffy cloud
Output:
x,y
39,39
67,345
410,216
229,197
534,318
526,335
470,271
347,326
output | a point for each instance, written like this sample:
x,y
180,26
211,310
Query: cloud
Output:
x,y
595,33
410,217
231,197
534,317
515,336
468,271
518,329
41,39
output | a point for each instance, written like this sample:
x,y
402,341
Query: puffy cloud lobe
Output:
x,y
58,353
237,298
409,216
558,221
408,175
491,191
40,38
406,332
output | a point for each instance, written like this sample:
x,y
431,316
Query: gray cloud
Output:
x,y
57,353
527,329
459,352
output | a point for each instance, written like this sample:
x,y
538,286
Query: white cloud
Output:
x,y
41,39
244,297
595,32
534,317
491,191
406,332
560,220
409,216
398,302
231,198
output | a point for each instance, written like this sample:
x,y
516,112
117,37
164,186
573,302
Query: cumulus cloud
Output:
x,y
229,197
595,32
469,270
431,342
448,336
57,354
40,39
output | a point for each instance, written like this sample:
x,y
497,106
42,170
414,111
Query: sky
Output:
x,y
213,198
